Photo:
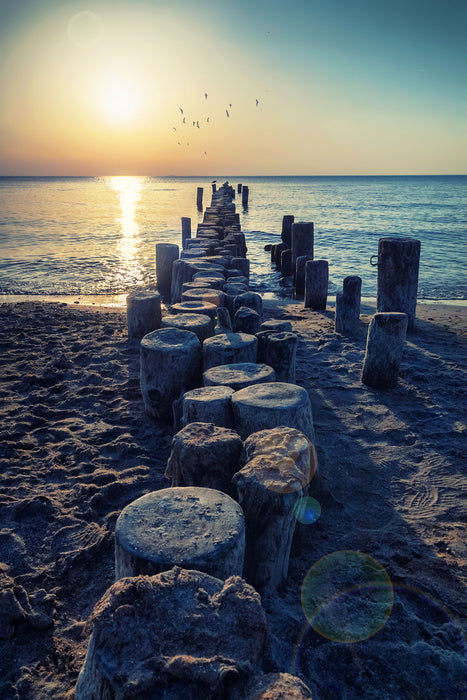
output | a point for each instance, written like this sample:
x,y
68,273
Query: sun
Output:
x,y
119,99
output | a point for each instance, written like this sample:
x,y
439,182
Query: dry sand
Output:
x,y
76,447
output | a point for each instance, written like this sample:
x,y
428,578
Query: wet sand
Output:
x,y
76,447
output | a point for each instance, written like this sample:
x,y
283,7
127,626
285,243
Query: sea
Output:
x,y
96,236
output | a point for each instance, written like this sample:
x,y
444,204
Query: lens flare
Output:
x,y
347,596
307,510
85,29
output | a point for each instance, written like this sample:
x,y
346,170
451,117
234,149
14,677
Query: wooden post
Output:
x,y
299,275
199,197
245,193
384,348
316,284
143,311
302,240
286,263
186,230
166,254
278,250
398,263
348,305
239,188
286,233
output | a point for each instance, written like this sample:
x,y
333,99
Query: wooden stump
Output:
x,y
143,312
299,275
211,280
302,240
199,324
279,249
194,307
166,254
204,454
279,350
263,406
224,324
228,348
384,349
398,263
286,232
170,364
286,263
287,445
276,325
316,284
252,301
186,230
181,272
242,264
246,321
273,686
196,528
204,294
210,404
348,306
179,634
238,375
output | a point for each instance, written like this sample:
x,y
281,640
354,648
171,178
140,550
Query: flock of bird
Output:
x,y
196,122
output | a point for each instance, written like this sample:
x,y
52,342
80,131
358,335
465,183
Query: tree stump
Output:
x,y
166,254
302,240
246,321
279,350
199,324
263,406
143,312
268,491
348,306
210,404
179,634
228,348
196,528
316,284
398,263
204,454
194,307
238,375
384,349
170,364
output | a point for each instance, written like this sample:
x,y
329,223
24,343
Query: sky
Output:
x,y
245,87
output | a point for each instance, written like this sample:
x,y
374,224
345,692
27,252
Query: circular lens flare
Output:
x,y
85,29
307,510
347,596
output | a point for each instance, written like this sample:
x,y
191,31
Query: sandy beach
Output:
x,y
76,447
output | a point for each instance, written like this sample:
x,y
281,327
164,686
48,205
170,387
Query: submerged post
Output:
x,y
286,233
245,193
239,188
302,240
199,197
398,263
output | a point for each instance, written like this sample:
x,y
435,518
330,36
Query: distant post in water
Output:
x,y
302,240
316,284
398,264
199,197
186,230
239,188
348,305
384,349
286,233
166,254
299,275
214,187
245,193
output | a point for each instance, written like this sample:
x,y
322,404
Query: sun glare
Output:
x,y
119,100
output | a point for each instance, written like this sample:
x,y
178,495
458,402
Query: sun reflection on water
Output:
x,y
129,190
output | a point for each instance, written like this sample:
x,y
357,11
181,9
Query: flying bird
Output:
x,y
181,110
197,124
227,113
207,119
257,102
205,153
205,95
230,105
174,128
184,120
194,123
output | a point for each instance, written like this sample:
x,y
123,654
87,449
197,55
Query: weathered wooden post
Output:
x,y
316,284
208,404
245,193
278,349
214,187
170,364
302,240
143,312
199,197
182,272
384,350
398,263
286,233
299,275
186,230
348,305
239,188
286,263
166,254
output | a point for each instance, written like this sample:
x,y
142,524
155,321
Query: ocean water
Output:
x,y
97,235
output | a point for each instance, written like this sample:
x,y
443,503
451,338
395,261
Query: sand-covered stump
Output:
x,y
279,350
274,686
247,321
398,265
210,404
203,454
199,324
263,406
348,305
238,375
143,312
277,325
384,349
170,364
228,348
286,445
180,634
196,528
